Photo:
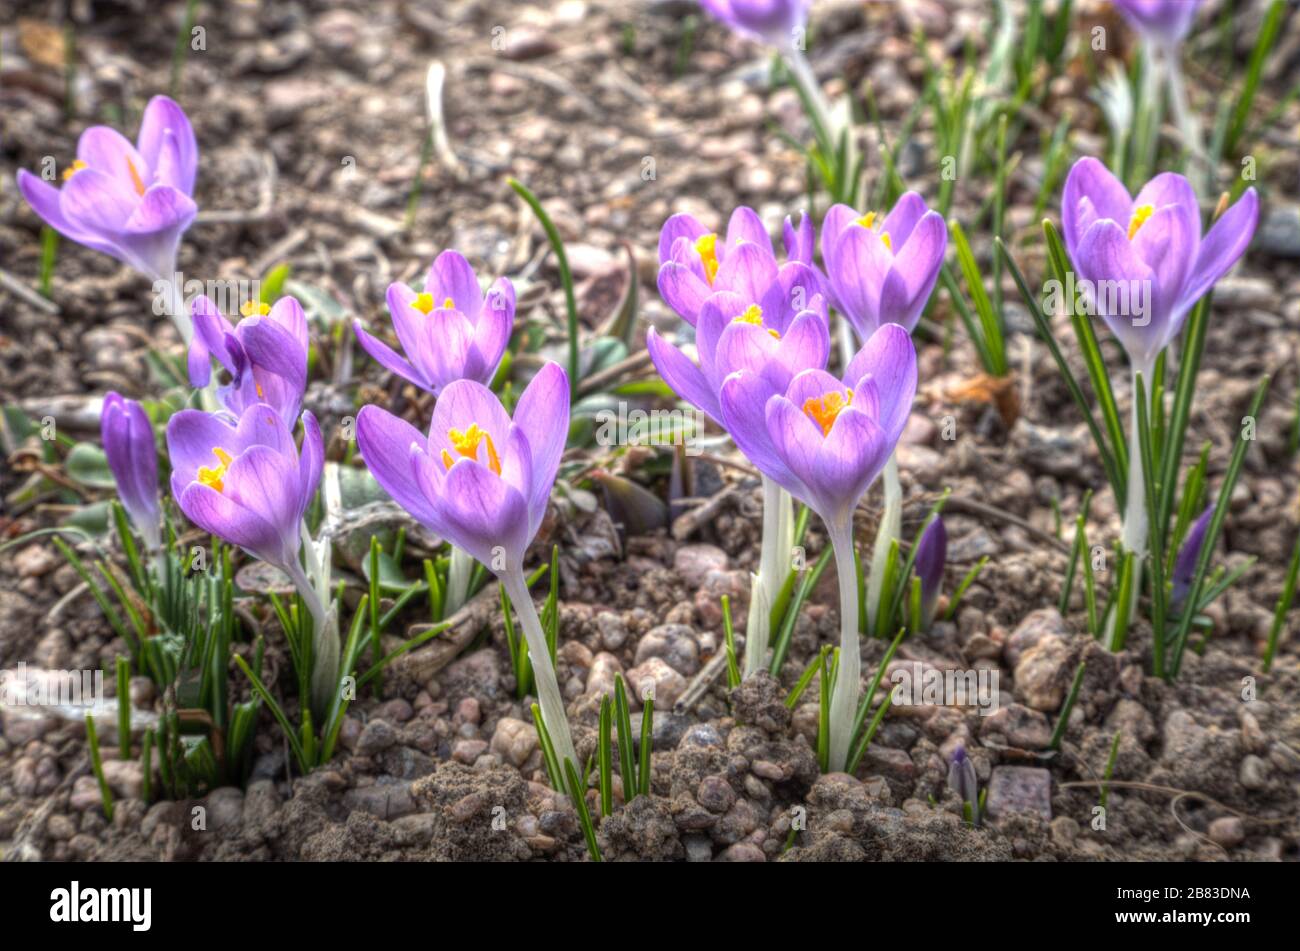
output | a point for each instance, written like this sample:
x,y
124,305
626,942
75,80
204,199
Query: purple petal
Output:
x,y
745,225
464,403
1091,194
902,219
483,514
165,126
1105,254
715,315
452,277
220,515
1222,247
385,442
683,376
743,401
889,359
848,461
799,241
683,290
747,270
678,226
311,461
542,414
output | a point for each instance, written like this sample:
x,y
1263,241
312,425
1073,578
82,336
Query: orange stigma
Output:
x,y
135,177
826,408
76,166
1140,215
216,477
868,221
753,314
707,246
466,443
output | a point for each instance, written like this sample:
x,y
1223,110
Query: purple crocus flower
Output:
x,y
882,270
695,262
479,478
774,325
825,440
1150,249
133,458
131,202
450,331
931,554
963,780
1163,21
1185,563
482,480
768,21
247,482
265,354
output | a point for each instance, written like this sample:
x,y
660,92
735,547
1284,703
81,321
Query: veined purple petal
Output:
x,y
452,278
799,240
466,403
1091,194
917,262
683,290
542,413
386,442
164,120
220,515
45,200
1221,248
715,315
848,460
862,263
743,401
684,377
1105,254
748,270
678,226
889,359
903,218
1163,21
311,461
484,515
745,225
388,358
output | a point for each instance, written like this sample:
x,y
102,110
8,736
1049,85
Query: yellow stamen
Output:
x,y
448,304
868,221
254,308
215,477
423,303
1140,215
707,246
260,394
824,409
135,178
753,314
466,443
77,165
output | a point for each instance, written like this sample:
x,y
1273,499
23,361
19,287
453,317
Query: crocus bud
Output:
x,y
1185,564
931,554
963,781
129,445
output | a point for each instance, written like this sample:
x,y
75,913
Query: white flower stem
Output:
x,y
313,585
1189,127
891,525
847,691
806,79
1133,535
548,689
773,564
459,571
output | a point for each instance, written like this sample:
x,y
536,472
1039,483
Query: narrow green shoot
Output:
x,y
1110,769
97,766
1283,606
566,278
729,640
1063,721
605,757
955,601
124,707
